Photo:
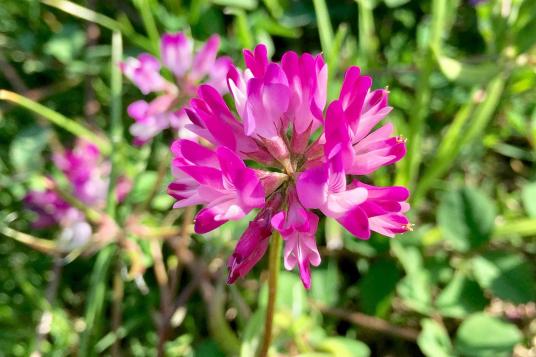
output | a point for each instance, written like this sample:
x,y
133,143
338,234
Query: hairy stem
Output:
x,y
273,266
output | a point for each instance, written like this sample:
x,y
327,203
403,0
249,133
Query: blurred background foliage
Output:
x,y
462,81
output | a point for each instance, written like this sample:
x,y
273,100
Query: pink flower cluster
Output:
x,y
88,175
306,158
189,69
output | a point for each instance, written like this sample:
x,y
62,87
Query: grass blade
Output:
x,y
84,13
58,119
368,42
325,30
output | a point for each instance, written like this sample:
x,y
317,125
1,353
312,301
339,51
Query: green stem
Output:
x,y
57,119
467,126
146,13
325,30
368,42
100,19
84,13
273,271
95,299
116,135
524,227
407,175
116,125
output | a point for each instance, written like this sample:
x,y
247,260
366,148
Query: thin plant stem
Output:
x,y
325,30
45,322
117,309
42,245
96,297
146,14
116,125
273,275
100,19
369,322
409,168
98,279
116,135
368,42
56,118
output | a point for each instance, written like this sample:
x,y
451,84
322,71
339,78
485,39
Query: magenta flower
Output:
x,y
88,175
306,158
189,69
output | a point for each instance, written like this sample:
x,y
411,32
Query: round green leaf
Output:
x,y
461,297
528,195
466,218
377,287
26,147
483,335
416,291
507,275
344,347
434,340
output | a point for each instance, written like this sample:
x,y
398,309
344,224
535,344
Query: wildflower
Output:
x,y
88,174
307,158
189,69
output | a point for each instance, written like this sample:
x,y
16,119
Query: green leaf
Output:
x,y
67,44
410,257
528,196
344,347
461,297
465,73
377,287
434,340
325,284
143,187
293,297
507,275
395,3
26,148
252,334
481,335
524,39
206,348
243,4
416,291
466,218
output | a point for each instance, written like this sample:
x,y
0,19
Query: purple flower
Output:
x,y
88,175
218,180
189,69
306,158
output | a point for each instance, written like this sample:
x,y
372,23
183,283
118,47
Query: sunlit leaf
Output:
x,y
461,297
508,276
26,148
482,335
434,340
466,218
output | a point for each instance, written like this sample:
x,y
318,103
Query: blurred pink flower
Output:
x,y
189,69
88,175
305,158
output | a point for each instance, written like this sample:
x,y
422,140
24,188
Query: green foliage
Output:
x,y
483,335
461,297
434,340
462,85
26,149
507,275
466,218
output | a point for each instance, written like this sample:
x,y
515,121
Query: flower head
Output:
x,y
309,156
88,175
189,69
